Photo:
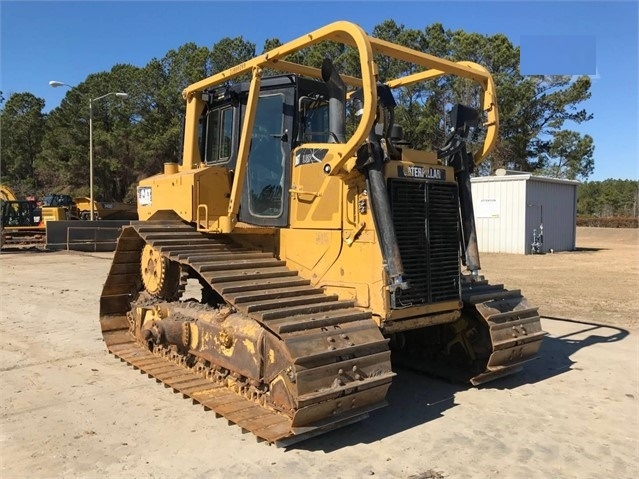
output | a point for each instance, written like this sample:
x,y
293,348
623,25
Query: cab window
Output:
x,y
266,164
316,124
215,145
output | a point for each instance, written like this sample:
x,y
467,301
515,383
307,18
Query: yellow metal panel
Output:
x,y
184,191
53,213
347,263
418,156
168,193
360,267
359,293
315,198
311,252
353,272
212,188
191,153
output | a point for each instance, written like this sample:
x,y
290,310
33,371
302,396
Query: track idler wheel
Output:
x,y
160,276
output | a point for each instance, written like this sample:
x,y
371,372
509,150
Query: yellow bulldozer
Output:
x,y
328,254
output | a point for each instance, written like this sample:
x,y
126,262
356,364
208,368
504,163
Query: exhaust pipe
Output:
x,y
336,102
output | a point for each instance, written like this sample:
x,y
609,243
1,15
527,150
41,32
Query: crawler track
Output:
x,y
339,360
513,324
23,237
497,333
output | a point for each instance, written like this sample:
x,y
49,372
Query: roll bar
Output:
x,y
350,34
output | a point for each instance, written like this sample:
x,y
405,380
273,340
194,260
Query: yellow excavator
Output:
x,y
7,194
327,251
25,221
21,220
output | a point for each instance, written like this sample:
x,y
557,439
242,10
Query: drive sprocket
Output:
x,y
160,276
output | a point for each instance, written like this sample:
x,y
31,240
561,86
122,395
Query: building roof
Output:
x,y
511,175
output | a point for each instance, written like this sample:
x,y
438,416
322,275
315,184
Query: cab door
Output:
x,y
265,199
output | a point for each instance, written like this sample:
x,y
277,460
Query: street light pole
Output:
x,y
91,218
91,100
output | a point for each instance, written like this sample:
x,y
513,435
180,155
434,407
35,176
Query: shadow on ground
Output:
x,y
555,352
579,249
6,249
415,399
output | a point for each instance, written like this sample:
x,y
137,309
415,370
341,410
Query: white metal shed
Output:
x,y
511,205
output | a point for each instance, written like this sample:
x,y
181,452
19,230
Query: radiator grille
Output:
x,y
425,216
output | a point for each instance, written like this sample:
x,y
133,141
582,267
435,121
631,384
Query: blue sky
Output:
x,y
67,41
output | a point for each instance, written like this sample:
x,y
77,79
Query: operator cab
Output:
x,y
19,213
58,200
291,110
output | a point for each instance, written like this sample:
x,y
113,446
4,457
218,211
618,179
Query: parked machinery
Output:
x,y
56,207
321,253
20,220
105,210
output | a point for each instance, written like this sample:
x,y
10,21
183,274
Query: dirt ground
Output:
x,y
68,409
599,282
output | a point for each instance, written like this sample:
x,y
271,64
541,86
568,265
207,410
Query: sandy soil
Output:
x,y
71,410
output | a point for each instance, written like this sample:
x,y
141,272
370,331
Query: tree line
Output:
x,y
48,152
608,198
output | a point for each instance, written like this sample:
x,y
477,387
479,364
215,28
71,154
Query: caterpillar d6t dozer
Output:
x,y
322,248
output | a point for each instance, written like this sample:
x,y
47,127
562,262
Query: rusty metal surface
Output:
x,y
26,237
336,361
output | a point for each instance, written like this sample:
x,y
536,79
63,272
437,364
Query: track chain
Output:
x,y
341,377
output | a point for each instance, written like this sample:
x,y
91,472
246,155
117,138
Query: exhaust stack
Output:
x,y
336,102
